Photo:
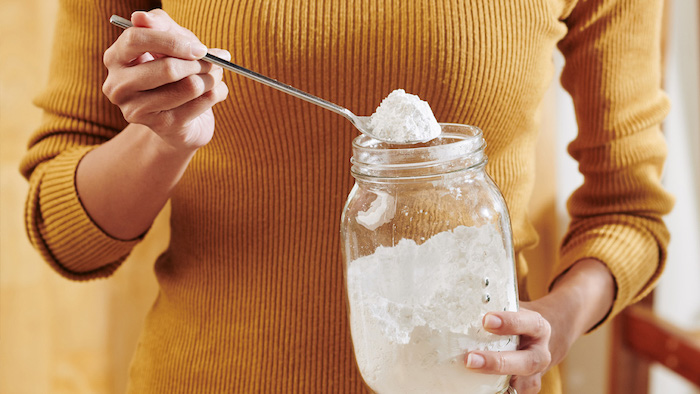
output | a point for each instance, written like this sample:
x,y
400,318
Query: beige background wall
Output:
x,y
58,336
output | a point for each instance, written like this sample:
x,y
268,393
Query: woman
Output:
x,y
251,295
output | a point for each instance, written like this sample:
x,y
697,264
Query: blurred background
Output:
x,y
58,336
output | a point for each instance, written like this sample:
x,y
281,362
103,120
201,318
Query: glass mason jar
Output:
x,y
427,246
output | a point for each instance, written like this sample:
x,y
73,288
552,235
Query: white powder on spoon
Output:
x,y
404,118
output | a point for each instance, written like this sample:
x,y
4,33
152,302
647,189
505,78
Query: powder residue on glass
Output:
x,y
404,118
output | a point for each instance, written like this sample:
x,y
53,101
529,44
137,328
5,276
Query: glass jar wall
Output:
x,y
427,247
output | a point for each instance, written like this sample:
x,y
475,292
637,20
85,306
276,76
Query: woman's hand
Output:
x,y
534,356
166,94
156,79
548,327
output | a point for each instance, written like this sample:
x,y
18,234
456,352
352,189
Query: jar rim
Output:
x,y
456,142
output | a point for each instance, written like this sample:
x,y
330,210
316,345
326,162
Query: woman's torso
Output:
x,y
252,296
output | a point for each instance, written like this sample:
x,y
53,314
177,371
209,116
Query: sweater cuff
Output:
x,y
72,242
630,252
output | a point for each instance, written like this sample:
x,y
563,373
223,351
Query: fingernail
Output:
x,y
198,50
491,321
226,55
475,360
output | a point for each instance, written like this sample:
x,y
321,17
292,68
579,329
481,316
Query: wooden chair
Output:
x,y
641,338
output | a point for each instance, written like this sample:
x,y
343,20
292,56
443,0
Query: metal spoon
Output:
x,y
360,122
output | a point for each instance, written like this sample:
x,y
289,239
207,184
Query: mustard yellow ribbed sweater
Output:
x,y
251,292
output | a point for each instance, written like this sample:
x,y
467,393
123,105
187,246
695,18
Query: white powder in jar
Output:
x,y
404,117
415,310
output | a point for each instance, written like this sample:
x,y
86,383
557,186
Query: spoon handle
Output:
x,y
125,24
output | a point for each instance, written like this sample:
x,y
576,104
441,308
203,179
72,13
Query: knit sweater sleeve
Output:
x,y
76,118
613,73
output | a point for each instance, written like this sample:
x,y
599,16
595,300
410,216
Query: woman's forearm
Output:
x,y
548,326
580,299
589,288
124,183
167,100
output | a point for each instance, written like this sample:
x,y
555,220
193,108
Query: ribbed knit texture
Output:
x,y
251,289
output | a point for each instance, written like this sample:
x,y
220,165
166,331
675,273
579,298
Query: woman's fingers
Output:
x,y
524,322
154,19
161,85
151,75
170,96
527,362
533,357
141,106
156,33
136,41
177,122
527,384
188,112
158,19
